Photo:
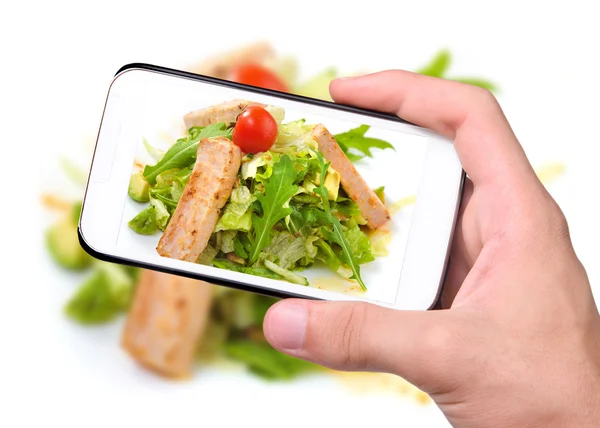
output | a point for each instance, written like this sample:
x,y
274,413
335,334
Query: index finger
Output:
x,y
470,116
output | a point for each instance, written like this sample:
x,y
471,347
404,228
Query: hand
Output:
x,y
518,341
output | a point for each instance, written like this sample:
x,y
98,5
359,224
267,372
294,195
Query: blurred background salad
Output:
x,y
62,312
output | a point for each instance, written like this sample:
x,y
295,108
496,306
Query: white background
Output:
x,y
57,60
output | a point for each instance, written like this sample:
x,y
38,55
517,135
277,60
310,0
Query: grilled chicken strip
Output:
x,y
371,207
225,112
166,322
206,192
221,66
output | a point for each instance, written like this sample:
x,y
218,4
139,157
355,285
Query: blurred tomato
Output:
x,y
257,75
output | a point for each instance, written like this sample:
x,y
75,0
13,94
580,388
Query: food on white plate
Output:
x,y
298,200
207,190
166,321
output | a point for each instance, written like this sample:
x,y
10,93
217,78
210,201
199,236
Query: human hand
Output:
x,y
518,340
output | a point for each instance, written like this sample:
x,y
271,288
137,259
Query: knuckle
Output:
x,y
350,336
485,97
560,227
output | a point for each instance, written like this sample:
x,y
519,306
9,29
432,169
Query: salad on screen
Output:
x,y
247,191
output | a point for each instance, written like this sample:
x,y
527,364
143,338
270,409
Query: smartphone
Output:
x,y
269,192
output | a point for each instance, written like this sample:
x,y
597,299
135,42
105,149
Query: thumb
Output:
x,y
363,337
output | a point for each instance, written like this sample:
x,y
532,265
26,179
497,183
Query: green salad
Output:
x,y
287,210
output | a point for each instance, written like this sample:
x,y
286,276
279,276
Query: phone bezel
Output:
x,y
292,97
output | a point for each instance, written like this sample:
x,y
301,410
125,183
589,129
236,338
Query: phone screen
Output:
x,y
318,234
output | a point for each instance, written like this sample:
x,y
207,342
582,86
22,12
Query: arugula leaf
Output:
x,y
278,191
337,234
238,248
183,152
354,141
438,65
346,255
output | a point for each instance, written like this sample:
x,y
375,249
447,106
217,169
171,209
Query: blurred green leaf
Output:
x,y
76,212
438,65
106,293
262,360
74,172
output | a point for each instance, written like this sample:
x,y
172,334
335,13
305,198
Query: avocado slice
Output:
x,y
138,188
64,248
332,184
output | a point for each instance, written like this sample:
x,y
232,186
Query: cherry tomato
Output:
x,y
255,130
257,75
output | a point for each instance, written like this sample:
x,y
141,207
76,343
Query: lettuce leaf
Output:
x,y
360,244
161,213
286,274
236,214
227,237
257,271
251,169
286,250
294,137
207,256
183,152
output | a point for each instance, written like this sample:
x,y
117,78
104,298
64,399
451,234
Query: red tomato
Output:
x,y
255,130
257,75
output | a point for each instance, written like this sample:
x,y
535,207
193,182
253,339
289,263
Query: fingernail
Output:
x,y
287,325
